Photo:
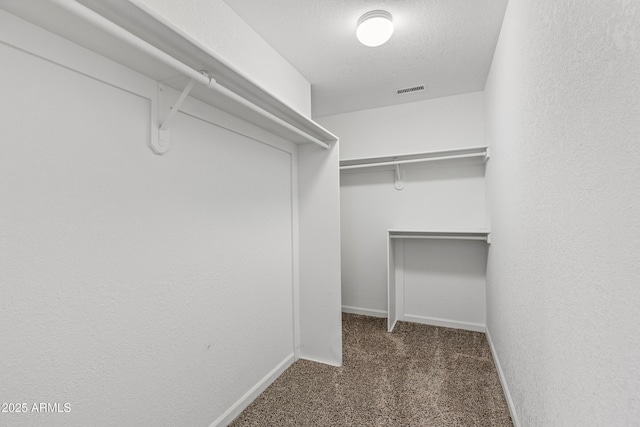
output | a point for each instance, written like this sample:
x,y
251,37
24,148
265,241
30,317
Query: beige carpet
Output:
x,y
417,375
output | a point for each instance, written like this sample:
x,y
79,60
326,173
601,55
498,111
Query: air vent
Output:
x,y
408,90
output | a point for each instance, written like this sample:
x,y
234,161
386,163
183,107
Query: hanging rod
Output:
x,y
198,76
402,162
420,160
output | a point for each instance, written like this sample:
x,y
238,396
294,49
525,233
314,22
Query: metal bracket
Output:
x,y
398,179
162,143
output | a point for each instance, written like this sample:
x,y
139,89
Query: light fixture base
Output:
x,y
375,14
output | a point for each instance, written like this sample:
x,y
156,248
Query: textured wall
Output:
x,y
445,195
142,290
215,25
563,108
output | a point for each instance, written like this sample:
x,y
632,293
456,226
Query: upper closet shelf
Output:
x,y
394,162
131,34
429,156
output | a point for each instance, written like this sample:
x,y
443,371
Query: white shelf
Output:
x,y
97,25
440,234
395,162
395,285
429,156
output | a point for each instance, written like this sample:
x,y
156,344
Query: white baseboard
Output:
x,y
240,405
364,311
434,321
317,360
503,381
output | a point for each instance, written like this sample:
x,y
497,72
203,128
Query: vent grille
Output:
x,y
407,90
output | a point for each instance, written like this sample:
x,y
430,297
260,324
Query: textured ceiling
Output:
x,y
447,45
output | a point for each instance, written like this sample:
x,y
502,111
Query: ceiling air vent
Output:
x,y
408,90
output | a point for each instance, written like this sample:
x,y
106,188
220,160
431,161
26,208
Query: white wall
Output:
x,y
437,195
437,124
563,121
140,289
218,27
445,282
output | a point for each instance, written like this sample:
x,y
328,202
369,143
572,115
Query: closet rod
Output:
x,y
401,162
201,77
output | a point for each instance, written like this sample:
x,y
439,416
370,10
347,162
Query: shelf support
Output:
x,y
162,143
164,126
399,183
487,155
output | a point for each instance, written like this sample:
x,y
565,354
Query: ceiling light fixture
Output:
x,y
375,28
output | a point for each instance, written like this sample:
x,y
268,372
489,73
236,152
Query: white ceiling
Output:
x,y
447,45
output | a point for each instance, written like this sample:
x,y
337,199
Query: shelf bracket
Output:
x,y
161,144
487,155
398,178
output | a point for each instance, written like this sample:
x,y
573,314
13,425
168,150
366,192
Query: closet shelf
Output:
x,y
429,156
131,34
394,162
483,235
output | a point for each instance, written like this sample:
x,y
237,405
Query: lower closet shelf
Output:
x,y
395,266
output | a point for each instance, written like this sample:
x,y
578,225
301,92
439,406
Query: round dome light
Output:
x,y
375,28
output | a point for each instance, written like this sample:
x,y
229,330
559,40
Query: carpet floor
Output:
x,y
418,375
